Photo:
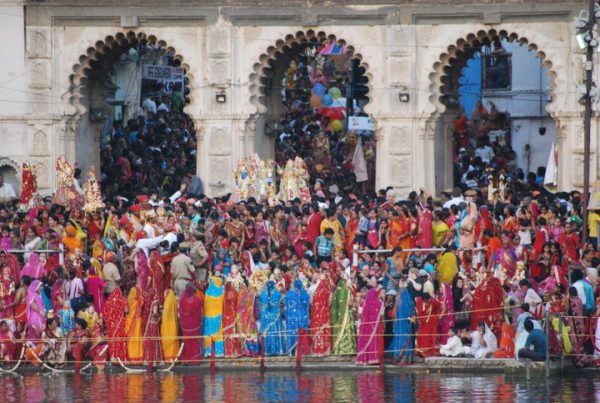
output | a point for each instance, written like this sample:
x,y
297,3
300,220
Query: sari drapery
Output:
x,y
320,319
370,330
133,325
157,275
142,269
425,234
191,312
577,333
402,345
212,329
233,343
447,267
247,321
447,321
33,268
297,313
114,317
506,259
506,348
151,327
427,313
168,327
350,231
95,287
270,320
342,322
36,319
487,305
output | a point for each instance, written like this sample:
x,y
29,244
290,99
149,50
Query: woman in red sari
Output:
x,y
425,228
151,327
114,317
95,286
233,346
320,318
98,351
157,275
428,311
191,311
488,305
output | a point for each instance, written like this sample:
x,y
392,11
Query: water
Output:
x,y
246,387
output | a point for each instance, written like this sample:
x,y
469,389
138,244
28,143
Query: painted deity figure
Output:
x,y
66,192
241,178
29,180
303,179
288,187
91,193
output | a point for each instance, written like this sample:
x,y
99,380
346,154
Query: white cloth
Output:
x,y
146,244
7,191
455,201
453,347
491,343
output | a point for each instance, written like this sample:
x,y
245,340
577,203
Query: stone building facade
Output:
x,y
56,49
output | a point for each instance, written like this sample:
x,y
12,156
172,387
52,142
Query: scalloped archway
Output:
x,y
444,87
264,95
89,89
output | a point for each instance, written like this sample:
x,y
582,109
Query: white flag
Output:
x,y
359,163
551,177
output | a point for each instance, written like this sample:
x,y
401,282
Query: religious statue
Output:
x,y
241,179
91,193
29,179
303,179
267,189
294,181
66,193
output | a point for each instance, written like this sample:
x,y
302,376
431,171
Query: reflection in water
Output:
x,y
246,387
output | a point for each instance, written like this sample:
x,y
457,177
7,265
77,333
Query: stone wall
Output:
x,y
403,48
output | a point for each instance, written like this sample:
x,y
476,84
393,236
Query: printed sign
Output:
x,y
167,75
360,123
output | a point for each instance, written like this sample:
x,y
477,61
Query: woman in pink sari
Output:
x,y
36,313
95,287
33,268
142,269
447,321
425,230
370,332
190,318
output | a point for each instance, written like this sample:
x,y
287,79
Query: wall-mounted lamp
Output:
x,y
221,98
404,97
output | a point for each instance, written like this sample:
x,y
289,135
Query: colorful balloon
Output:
x,y
315,101
327,100
336,126
319,89
335,92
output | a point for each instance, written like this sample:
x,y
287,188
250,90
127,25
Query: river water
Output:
x,y
246,387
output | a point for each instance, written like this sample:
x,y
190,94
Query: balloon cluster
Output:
x,y
323,99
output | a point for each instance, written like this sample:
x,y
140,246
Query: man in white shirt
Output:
x,y
7,192
484,151
457,198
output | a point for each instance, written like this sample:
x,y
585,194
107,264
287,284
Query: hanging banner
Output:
x,y
167,75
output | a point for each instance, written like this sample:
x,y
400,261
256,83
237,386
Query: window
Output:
x,y
496,71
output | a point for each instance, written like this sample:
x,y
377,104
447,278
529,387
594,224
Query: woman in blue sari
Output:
x,y
269,315
402,345
297,314
222,258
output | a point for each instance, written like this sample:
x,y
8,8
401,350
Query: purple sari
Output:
x,y
33,268
447,321
35,320
370,331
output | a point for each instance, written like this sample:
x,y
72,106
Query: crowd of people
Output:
x,y
314,93
160,278
152,151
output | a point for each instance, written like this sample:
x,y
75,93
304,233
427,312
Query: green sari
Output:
x,y
343,332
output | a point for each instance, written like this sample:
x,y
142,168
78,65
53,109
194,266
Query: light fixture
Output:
x,y
221,98
404,97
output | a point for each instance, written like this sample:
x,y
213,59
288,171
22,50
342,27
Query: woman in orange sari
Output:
x,y
405,231
395,231
507,342
350,231
133,325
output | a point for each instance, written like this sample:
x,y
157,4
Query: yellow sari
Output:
x,y
133,325
447,267
168,327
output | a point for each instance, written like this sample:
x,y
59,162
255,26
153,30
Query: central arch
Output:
x,y
266,88
444,85
91,85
